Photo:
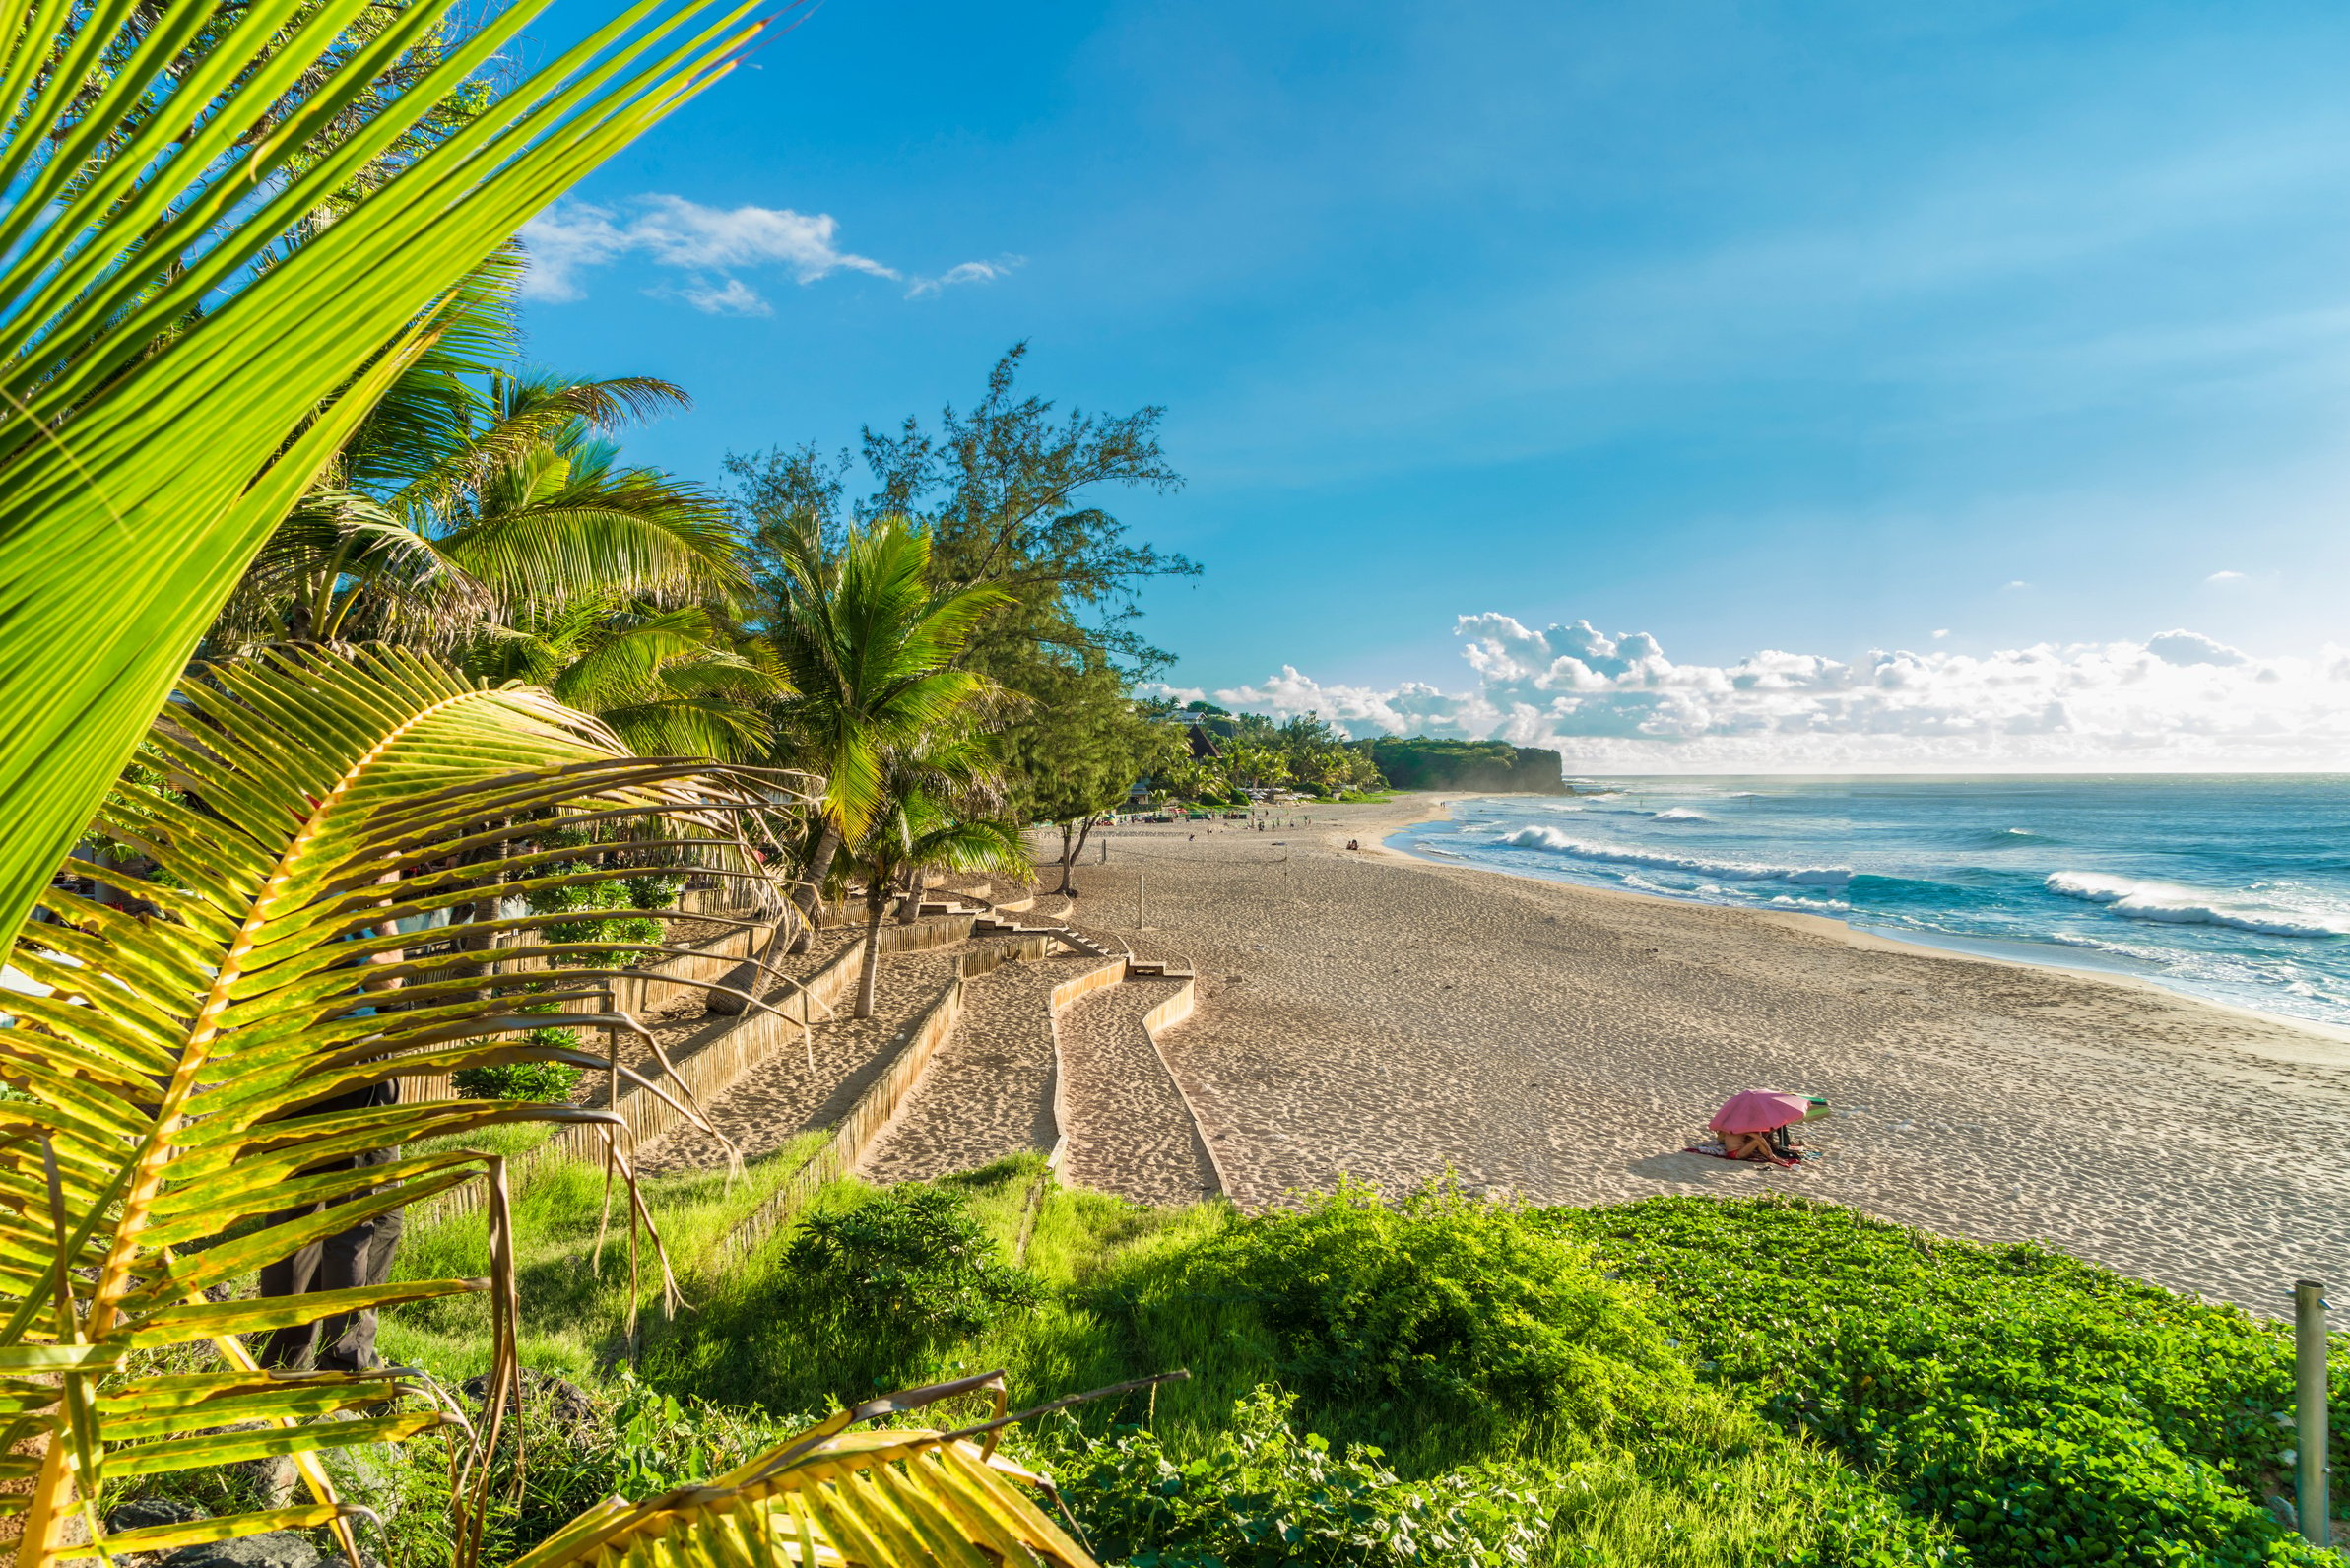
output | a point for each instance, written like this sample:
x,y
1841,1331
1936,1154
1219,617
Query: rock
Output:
x,y
272,1478
364,1473
543,1393
279,1548
2283,1511
336,1560
144,1513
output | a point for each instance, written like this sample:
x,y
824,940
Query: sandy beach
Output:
x,y
1377,1015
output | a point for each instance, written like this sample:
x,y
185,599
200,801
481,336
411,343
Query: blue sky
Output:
x,y
1820,328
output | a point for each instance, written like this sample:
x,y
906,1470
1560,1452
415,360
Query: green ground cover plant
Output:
x,y
2050,1412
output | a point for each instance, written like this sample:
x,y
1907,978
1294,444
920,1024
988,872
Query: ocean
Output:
x,y
2233,889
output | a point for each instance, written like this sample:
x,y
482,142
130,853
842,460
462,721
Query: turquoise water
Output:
x,y
2234,888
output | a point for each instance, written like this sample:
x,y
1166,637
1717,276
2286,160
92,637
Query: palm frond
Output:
x,y
892,1499
642,535
153,370
181,1066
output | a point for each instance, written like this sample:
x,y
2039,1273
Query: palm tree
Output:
x,y
939,794
870,649
471,499
915,836
183,350
673,682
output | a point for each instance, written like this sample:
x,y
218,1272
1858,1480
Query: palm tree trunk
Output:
x,y
909,909
809,894
875,901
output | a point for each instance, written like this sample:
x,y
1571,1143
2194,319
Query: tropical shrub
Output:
x,y
1440,1309
548,1083
911,1266
874,1288
1262,1493
654,889
592,901
2049,1411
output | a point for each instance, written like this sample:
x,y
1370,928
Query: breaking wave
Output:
x,y
1550,839
2172,905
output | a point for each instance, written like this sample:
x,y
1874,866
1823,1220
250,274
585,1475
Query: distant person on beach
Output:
x,y
1758,1146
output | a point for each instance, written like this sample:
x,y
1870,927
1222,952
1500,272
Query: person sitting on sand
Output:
x,y
1758,1146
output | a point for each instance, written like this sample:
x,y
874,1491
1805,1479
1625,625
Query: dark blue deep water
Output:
x,y
2235,889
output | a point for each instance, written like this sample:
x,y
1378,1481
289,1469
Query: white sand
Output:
x,y
1377,1015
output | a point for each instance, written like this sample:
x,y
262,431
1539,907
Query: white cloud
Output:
x,y
2191,647
710,245
2010,587
1943,633
965,272
2225,576
735,298
2178,701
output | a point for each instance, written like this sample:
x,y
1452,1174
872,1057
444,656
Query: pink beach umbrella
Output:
x,y
1760,1111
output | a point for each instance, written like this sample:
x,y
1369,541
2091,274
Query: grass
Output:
x,y
575,1305
1683,1383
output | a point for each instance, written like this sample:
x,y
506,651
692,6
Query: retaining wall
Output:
x,y
1024,949
854,1134
708,1073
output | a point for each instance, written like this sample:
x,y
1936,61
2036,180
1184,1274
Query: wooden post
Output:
x,y
2312,1505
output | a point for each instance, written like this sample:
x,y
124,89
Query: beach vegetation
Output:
x,y
1080,751
872,651
1273,1443
524,1081
1677,1381
2044,1410
1013,494
932,813
1422,763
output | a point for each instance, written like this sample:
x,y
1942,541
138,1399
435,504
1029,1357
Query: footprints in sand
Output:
x,y
1129,1129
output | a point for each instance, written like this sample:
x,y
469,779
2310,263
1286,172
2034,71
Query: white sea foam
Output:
x,y
1550,839
1680,813
2174,905
1811,906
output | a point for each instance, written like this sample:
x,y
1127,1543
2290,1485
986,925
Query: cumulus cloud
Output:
x,y
2178,700
710,245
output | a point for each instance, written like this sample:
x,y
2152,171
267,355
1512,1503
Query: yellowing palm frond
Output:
x,y
181,1062
897,1498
